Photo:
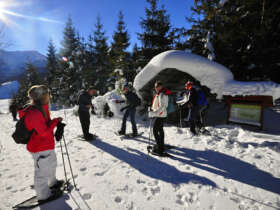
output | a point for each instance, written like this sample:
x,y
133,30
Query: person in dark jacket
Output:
x,y
13,108
190,99
132,101
85,105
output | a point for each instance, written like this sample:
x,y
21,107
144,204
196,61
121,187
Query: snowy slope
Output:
x,y
232,169
211,74
7,89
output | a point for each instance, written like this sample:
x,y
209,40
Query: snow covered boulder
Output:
x,y
109,98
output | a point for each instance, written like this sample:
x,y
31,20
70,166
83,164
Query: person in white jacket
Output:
x,y
159,113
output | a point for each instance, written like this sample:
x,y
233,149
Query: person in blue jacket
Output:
x,y
132,101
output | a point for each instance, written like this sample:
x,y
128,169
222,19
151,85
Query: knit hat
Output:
x,y
189,85
37,92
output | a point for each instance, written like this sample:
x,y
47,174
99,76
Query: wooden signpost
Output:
x,y
247,110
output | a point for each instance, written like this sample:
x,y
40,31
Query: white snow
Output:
x,y
232,169
211,74
109,98
7,89
208,45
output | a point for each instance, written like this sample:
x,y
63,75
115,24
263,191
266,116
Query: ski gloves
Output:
x,y
59,131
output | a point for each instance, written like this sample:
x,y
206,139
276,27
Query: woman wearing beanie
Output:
x,y
41,144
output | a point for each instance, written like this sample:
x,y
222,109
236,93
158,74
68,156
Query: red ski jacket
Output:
x,y
42,138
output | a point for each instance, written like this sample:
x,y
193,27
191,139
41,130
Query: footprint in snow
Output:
x,y
99,174
83,169
11,176
118,199
155,191
9,187
139,181
179,199
86,196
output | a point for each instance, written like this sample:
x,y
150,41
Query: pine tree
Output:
x,y
244,34
204,24
156,36
52,69
102,65
119,55
69,42
68,74
137,58
30,78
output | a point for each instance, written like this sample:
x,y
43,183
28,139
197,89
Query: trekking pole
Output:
x,y
69,163
63,161
150,133
181,117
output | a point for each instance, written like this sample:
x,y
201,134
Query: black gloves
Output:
x,y
59,131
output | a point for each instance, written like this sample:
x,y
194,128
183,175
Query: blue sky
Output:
x,y
40,20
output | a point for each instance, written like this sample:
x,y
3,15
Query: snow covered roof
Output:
x,y
215,76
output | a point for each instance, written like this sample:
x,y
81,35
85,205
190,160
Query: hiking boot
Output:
x,y
121,132
55,194
89,137
157,151
134,134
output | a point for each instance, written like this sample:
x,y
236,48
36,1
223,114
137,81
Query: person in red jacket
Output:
x,y
41,144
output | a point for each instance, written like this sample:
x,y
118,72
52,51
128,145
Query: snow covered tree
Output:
x,y
138,59
102,65
30,78
68,74
52,65
156,36
243,34
204,22
69,42
118,53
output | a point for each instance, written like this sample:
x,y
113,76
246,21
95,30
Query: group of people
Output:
x,y
41,144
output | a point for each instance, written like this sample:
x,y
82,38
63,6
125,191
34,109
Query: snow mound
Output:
x,y
100,101
215,76
7,89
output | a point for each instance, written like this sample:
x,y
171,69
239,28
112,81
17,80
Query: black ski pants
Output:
x,y
194,118
159,133
85,121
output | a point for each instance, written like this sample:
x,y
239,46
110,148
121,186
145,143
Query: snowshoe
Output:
x,y
131,135
34,202
157,153
120,133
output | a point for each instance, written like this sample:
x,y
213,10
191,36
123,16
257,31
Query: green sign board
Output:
x,y
245,113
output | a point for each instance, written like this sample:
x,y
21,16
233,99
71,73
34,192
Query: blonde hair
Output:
x,y
37,93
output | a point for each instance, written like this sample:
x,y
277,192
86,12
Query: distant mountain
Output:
x,y
12,63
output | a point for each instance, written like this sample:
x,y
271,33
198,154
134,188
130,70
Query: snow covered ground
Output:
x,y
231,169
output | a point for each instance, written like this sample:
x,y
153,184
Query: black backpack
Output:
x,y
21,134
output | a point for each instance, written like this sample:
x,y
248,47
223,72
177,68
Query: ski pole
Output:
x,y
150,133
181,117
69,163
63,161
